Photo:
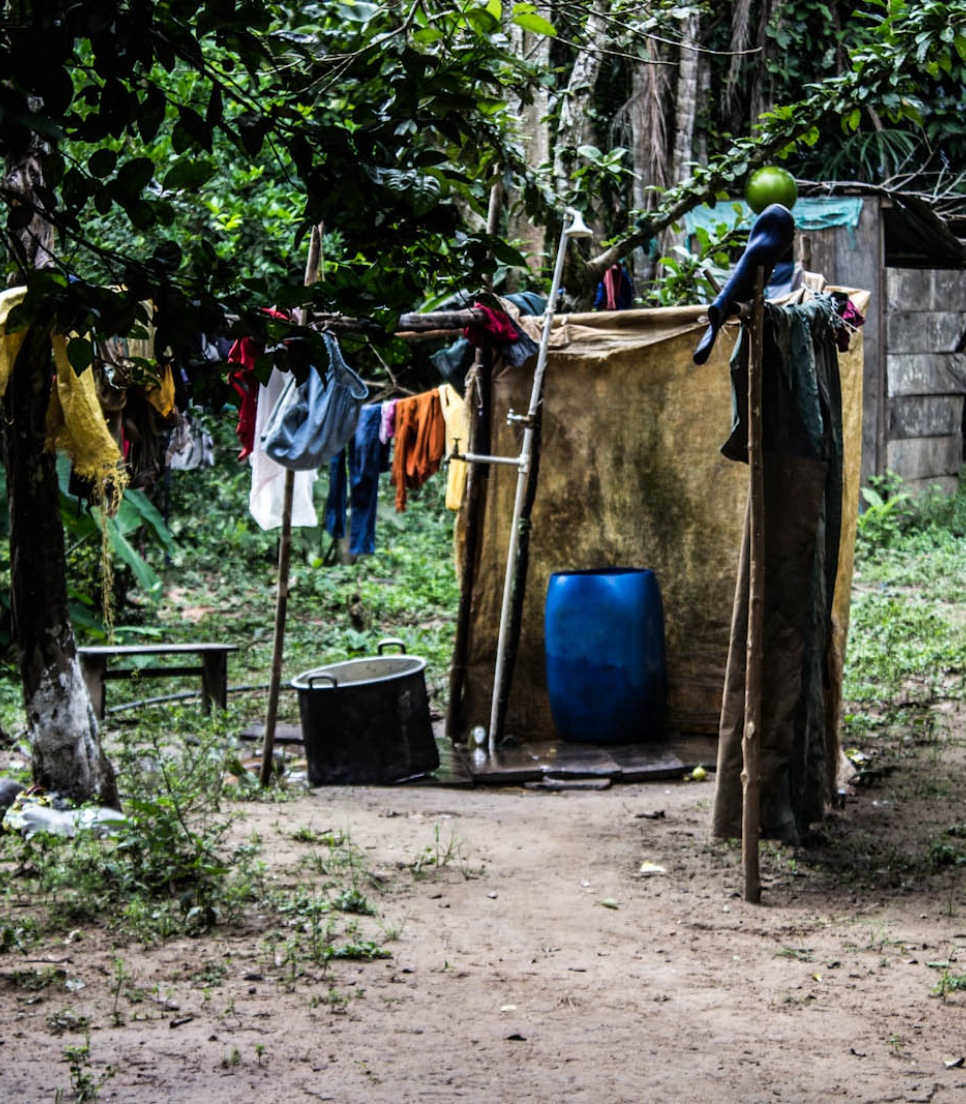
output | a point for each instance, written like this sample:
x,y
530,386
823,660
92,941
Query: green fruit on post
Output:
x,y
769,185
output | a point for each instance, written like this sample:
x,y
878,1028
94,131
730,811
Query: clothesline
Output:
x,y
409,437
424,426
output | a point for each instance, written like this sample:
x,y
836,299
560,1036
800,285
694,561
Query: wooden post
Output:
x,y
312,272
474,507
474,503
281,610
751,738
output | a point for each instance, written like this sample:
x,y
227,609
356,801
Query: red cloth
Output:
x,y
420,443
245,352
496,325
853,318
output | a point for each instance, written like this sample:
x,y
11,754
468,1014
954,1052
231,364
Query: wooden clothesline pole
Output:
x,y
312,272
751,737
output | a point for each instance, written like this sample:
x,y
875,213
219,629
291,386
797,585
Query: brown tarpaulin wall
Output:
x,y
630,476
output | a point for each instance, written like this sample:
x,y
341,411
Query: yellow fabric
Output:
x,y
161,397
76,423
9,342
457,439
630,476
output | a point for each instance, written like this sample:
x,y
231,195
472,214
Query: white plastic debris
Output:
x,y
30,816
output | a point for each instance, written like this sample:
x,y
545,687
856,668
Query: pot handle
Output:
x,y
390,641
322,678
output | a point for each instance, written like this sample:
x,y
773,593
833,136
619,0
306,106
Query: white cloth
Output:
x,y
268,478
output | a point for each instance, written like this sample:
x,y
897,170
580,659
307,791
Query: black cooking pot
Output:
x,y
367,720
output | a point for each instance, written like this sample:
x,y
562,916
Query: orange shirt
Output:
x,y
420,442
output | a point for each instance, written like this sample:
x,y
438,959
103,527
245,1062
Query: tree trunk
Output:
x,y
61,727
572,129
686,99
534,130
761,84
650,95
740,39
66,754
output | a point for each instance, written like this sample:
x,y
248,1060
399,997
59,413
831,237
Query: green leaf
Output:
x,y
505,253
481,20
252,129
535,23
148,514
80,354
142,571
195,127
358,12
216,109
131,179
102,162
189,173
151,113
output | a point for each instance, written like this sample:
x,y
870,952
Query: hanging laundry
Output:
x,y
498,328
802,458
11,341
245,353
615,291
75,424
161,394
457,439
268,478
850,318
190,446
312,421
387,423
420,443
366,456
142,436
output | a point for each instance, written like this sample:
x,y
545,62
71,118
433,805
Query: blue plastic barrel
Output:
x,y
606,672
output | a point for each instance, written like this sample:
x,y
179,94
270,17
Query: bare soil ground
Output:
x,y
533,960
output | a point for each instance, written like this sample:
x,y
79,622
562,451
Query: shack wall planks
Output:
x,y
925,416
926,373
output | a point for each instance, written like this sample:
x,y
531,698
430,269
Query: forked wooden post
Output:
x,y
751,737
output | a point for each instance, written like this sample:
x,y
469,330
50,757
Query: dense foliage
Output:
x,y
385,124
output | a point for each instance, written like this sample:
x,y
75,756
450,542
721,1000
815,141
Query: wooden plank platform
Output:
x,y
556,764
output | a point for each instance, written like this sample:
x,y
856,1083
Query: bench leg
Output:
x,y
214,680
93,669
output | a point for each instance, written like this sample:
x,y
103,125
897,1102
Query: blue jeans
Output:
x,y
367,457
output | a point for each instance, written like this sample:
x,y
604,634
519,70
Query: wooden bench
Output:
x,y
213,668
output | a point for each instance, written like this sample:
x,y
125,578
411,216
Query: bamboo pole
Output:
x,y
751,737
312,273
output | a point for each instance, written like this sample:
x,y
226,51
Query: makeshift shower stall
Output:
x,y
630,475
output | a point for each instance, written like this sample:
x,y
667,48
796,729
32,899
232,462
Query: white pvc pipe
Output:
x,y
523,469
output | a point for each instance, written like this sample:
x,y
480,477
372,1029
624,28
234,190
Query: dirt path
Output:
x,y
534,961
